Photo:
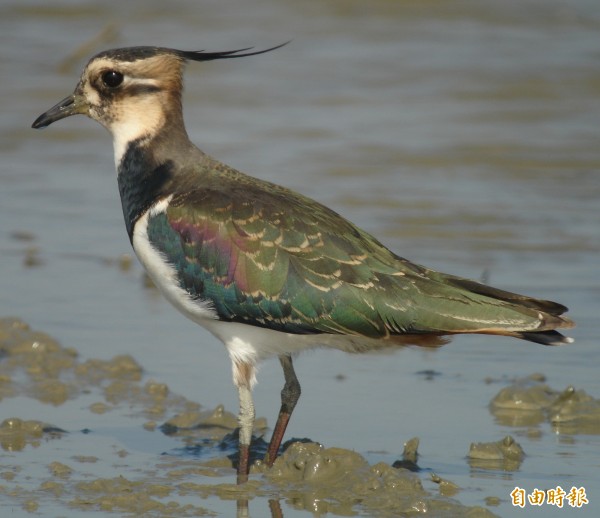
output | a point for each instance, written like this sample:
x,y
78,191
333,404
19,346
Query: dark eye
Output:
x,y
112,78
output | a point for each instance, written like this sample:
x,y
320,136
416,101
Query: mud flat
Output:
x,y
531,401
48,467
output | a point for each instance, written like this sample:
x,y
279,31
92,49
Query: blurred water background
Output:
x,y
464,134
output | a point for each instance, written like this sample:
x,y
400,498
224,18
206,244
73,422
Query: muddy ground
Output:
x,y
49,468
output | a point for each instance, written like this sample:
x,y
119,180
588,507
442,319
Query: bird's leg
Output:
x,y
289,397
243,377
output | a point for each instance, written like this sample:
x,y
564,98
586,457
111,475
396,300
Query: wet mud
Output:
x,y
200,463
505,455
531,401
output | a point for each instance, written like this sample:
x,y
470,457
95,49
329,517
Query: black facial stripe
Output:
x,y
124,90
140,89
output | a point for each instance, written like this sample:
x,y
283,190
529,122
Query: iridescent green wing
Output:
x,y
269,257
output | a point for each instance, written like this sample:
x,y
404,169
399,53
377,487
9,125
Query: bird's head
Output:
x,y
133,91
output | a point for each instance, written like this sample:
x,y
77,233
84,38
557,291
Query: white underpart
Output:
x,y
251,344
164,274
246,344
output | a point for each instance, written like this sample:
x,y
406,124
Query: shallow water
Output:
x,y
463,134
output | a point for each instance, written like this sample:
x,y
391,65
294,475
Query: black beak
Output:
x,y
71,105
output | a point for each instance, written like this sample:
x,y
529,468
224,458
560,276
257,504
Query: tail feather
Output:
x,y
546,306
546,338
541,318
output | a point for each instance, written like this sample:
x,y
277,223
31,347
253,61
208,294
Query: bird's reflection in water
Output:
x,y
243,510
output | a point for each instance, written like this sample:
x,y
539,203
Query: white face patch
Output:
x,y
127,129
135,116
135,109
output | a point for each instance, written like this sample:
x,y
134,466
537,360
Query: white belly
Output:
x,y
164,274
244,342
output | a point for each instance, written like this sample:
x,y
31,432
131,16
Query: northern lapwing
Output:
x,y
266,270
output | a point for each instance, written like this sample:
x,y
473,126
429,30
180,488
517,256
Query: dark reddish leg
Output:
x,y
289,397
243,464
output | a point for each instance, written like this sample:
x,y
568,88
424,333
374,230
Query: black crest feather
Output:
x,y
136,53
201,55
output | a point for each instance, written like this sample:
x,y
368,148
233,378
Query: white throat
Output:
x,y
123,134
137,120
